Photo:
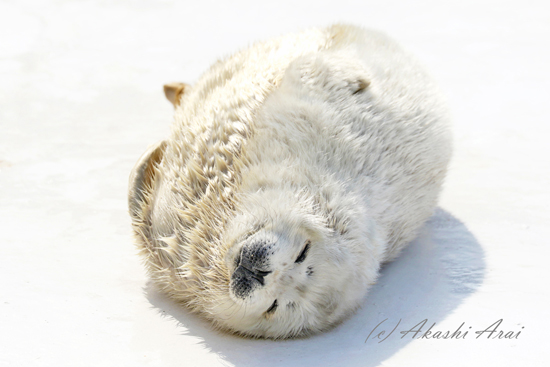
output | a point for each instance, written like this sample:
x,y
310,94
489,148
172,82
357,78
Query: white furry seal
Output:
x,y
294,169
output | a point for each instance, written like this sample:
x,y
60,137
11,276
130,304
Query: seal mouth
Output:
x,y
246,272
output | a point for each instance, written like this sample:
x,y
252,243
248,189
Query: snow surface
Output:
x,y
81,98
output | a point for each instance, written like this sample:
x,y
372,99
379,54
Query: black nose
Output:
x,y
252,264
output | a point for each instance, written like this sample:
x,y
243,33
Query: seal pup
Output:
x,y
293,170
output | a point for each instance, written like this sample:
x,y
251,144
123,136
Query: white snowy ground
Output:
x,y
81,98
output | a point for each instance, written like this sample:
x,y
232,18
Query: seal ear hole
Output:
x,y
303,254
361,85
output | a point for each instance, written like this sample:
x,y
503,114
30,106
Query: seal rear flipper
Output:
x,y
174,92
142,179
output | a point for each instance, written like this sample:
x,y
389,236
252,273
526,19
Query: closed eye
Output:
x,y
273,307
303,254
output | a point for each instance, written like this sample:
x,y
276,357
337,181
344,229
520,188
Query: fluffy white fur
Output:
x,y
333,137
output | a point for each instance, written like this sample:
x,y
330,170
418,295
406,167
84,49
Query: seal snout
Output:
x,y
252,266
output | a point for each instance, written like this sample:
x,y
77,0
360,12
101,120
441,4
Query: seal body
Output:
x,y
293,170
